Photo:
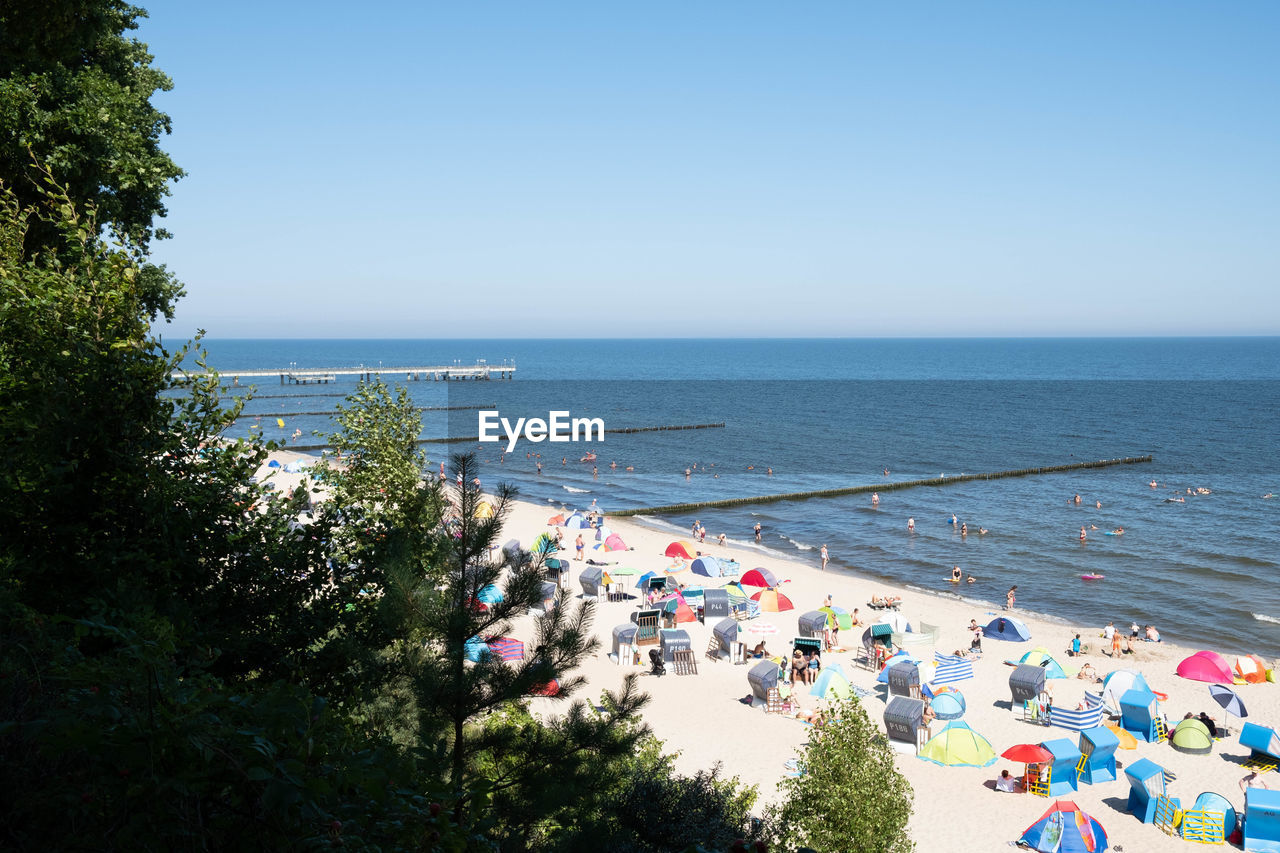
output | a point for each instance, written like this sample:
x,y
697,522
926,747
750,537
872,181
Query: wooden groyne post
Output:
x,y
681,509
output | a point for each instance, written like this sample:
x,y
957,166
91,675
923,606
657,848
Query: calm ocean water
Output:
x,y
829,413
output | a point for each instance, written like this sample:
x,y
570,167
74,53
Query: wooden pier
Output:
x,y
293,375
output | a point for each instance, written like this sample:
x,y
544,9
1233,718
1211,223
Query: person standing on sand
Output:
x,y
824,561
1010,597
579,545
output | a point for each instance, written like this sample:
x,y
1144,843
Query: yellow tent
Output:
x,y
484,510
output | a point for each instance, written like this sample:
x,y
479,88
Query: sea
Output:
x,y
787,416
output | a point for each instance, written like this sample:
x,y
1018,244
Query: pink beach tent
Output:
x,y
759,577
614,543
1206,666
681,548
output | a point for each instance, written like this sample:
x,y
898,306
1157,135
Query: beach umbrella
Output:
x,y
772,601
957,745
762,628
507,648
896,621
1227,698
1028,753
1127,740
624,571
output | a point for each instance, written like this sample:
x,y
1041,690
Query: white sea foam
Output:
x,y
1262,617
576,491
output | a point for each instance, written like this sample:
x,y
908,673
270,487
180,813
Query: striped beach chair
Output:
x,y
951,669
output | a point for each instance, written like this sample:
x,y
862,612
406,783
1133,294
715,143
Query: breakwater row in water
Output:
x,y
672,509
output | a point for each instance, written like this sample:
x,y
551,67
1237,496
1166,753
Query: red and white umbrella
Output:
x,y
761,628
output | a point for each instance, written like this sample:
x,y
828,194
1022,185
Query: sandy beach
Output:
x,y
703,719
956,808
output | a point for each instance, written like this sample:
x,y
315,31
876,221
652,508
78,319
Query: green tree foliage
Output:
x,y
850,796
75,95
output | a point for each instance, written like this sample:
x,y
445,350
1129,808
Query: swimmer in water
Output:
x,y
956,574
911,524
1267,496
875,499
982,531
954,520
964,529
970,579
1083,534
1153,484
1119,531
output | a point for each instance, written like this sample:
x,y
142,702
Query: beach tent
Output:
x,y
577,521
948,706
274,463
1191,736
1261,820
1065,828
1040,657
957,745
677,606
759,577
1007,628
772,601
1250,669
682,549
556,519
506,648
1206,666
707,567
545,544
896,621
612,543
1210,819
831,683
489,594
484,510
1119,683
603,533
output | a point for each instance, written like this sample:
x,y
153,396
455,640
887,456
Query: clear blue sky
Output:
x,y
405,169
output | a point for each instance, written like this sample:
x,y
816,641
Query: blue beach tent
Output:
x,y
707,567
1202,822
948,706
1065,828
577,521
1007,628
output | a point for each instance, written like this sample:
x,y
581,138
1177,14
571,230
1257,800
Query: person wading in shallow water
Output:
x,y
1010,597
